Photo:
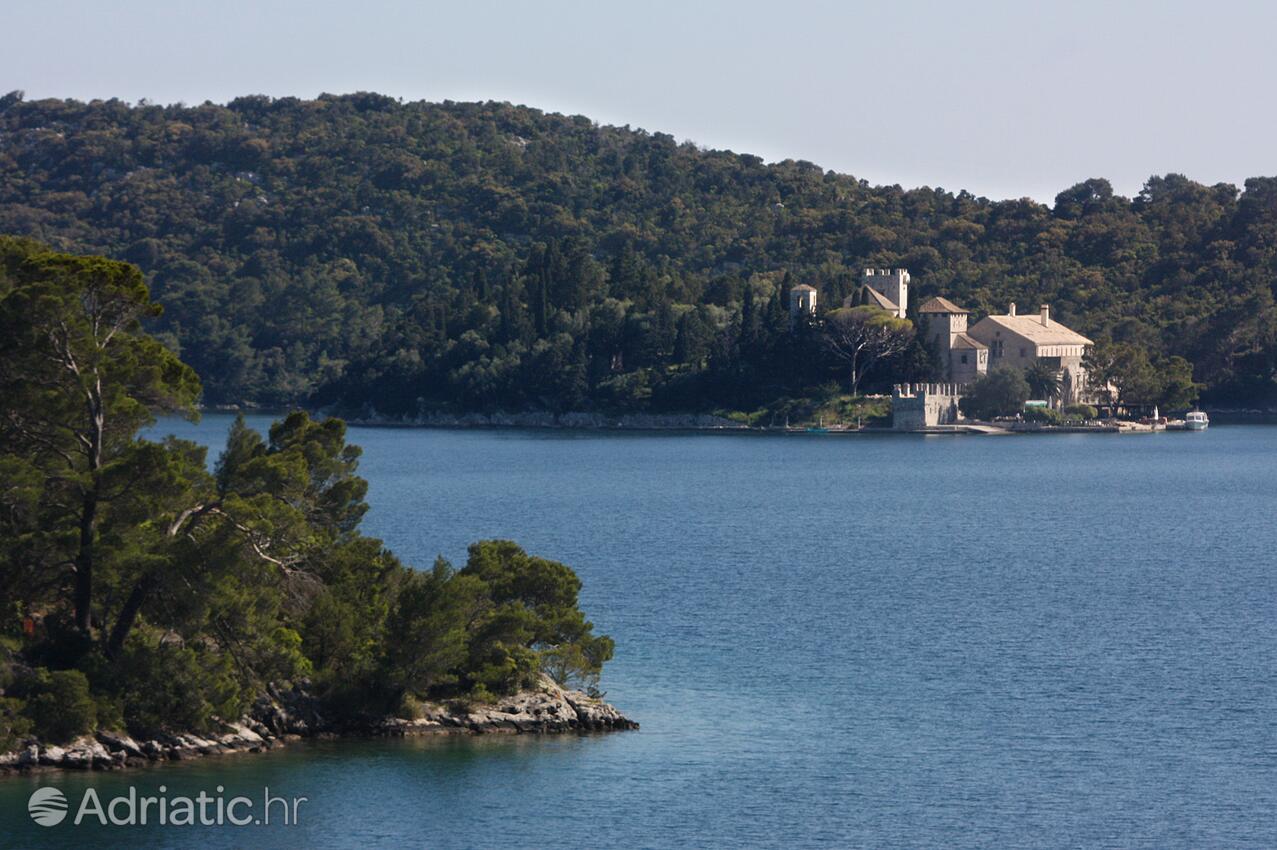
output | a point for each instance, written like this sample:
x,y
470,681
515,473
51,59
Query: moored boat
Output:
x,y
1196,420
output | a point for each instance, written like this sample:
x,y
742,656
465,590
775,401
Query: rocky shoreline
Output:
x,y
546,419
293,715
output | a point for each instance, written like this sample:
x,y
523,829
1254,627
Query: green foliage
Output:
x,y
360,250
860,337
1084,412
60,705
534,615
78,378
168,687
15,726
1002,392
490,628
430,629
171,597
344,628
1178,390
578,664
1043,415
1131,378
1043,381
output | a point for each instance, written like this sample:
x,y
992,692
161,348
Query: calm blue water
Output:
x,y
830,641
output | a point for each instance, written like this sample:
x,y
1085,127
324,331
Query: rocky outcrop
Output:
x,y
294,714
112,750
547,709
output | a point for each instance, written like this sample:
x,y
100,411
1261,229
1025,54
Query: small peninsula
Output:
x,y
156,608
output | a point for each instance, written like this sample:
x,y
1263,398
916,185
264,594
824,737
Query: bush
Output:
x,y
1080,411
578,665
1002,392
410,708
14,724
165,687
61,707
1044,415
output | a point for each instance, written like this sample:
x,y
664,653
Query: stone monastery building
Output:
x,y
966,353
1007,340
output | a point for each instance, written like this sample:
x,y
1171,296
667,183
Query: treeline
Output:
x,y
139,589
369,252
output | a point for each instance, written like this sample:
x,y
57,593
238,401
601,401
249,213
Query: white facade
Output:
x,y
1021,340
802,301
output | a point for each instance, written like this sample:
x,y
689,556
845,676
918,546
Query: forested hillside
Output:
x,y
362,250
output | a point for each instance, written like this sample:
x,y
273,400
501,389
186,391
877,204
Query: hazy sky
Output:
x,y
1002,98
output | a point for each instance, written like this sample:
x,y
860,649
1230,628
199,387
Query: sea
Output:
x,y
830,640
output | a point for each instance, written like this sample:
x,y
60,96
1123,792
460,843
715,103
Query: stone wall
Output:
x,y
918,406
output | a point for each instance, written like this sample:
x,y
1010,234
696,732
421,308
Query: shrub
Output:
x,y
578,665
1002,392
110,712
165,687
61,707
1044,415
14,724
410,708
1080,411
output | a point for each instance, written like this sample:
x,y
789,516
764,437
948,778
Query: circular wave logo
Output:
x,y
48,806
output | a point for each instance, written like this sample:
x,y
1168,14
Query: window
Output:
x,y
964,358
1022,352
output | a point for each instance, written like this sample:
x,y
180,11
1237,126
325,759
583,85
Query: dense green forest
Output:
x,y
140,590
361,251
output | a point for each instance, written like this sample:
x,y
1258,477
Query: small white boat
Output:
x,y
1196,420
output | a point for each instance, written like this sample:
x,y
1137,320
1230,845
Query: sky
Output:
x,y
1003,99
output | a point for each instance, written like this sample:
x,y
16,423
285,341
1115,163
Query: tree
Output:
x,y
427,635
169,596
1126,374
392,259
919,363
1179,392
860,337
1101,364
1001,392
693,339
534,617
78,378
1136,378
1043,381
1138,383
266,524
